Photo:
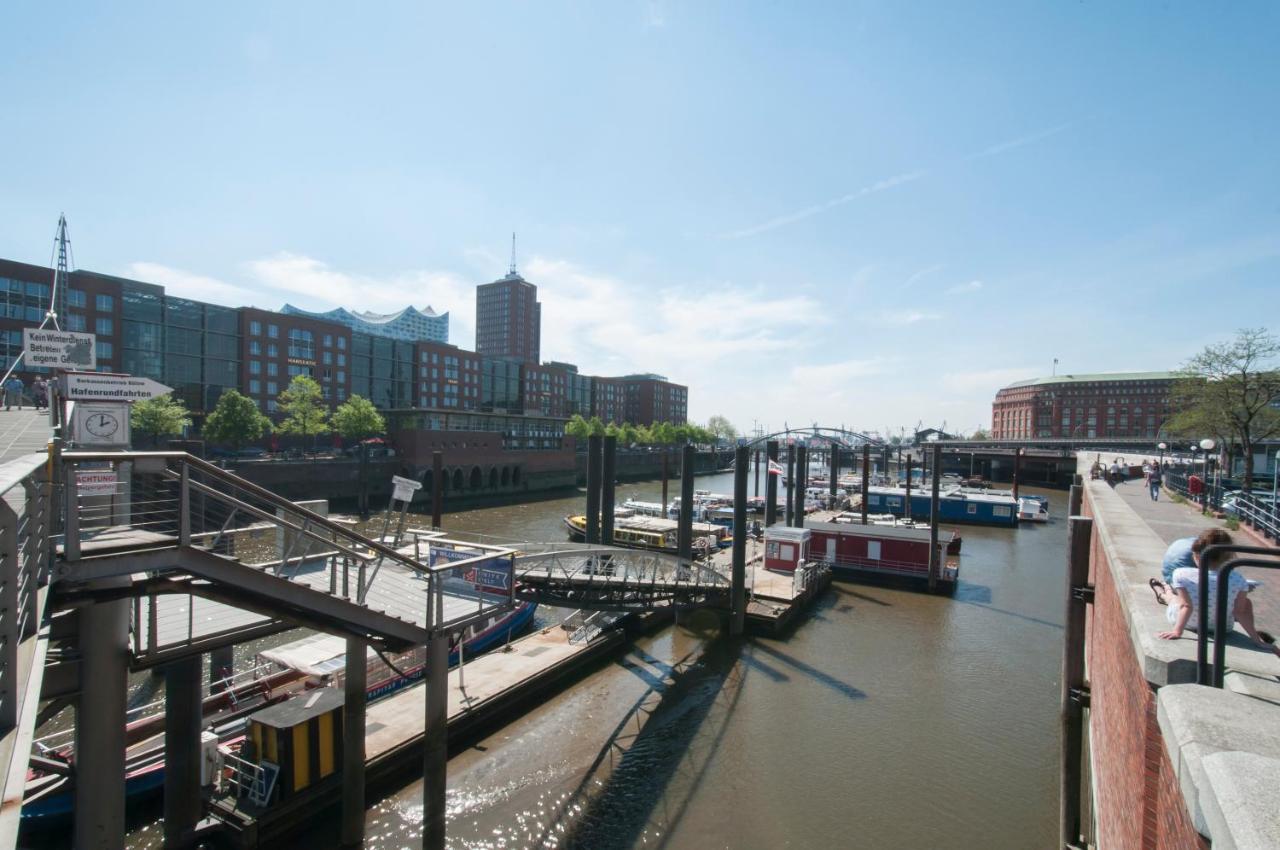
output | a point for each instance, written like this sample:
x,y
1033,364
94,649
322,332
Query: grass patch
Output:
x,y
1178,499
1233,523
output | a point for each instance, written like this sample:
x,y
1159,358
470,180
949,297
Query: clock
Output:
x,y
101,424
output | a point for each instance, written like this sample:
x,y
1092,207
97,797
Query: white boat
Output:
x,y
1033,509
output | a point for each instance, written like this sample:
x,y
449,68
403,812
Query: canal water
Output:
x,y
886,719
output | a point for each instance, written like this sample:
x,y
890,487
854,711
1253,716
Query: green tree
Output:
x,y
235,420
577,427
597,427
304,409
357,419
1228,390
722,429
628,434
644,435
980,434
162,416
612,430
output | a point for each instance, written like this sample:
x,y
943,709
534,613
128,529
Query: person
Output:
x,y
1154,480
13,393
1113,477
40,390
1183,605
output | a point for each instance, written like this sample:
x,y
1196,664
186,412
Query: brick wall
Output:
x,y
1139,803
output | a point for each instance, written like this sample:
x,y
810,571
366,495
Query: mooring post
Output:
x,y
666,474
606,490
771,485
935,557
866,478
739,587
788,503
1017,473
183,805
835,470
100,721
437,488
684,533
435,750
1075,501
756,455
1074,690
906,506
353,732
802,483
595,451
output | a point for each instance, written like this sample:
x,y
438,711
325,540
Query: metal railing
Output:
x,y
619,579
1263,515
1268,558
172,499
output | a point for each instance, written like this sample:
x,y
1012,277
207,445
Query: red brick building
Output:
x,y
1121,404
509,319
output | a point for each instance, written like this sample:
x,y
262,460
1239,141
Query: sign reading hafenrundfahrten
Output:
x,y
59,349
100,386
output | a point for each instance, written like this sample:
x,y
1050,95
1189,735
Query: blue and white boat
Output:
x,y
955,505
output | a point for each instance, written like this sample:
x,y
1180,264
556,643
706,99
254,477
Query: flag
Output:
x,y
775,468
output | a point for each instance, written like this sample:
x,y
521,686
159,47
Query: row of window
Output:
x,y
297,336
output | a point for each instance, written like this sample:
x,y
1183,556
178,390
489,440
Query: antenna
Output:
x,y
511,272
58,298
1055,367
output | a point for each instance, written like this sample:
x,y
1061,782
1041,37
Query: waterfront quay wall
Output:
x,y
643,465
1171,764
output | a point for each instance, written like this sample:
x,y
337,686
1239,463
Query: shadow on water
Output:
x,y
979,596
812,672
652,764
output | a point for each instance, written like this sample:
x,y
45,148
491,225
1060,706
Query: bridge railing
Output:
x,y
166,499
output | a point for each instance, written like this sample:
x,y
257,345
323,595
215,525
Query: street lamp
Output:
x,y
1162,447
1207,445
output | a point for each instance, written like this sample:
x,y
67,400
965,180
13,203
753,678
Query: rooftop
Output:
x,y
1096,377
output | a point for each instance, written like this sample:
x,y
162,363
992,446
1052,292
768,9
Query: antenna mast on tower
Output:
x,y
511,272
58,299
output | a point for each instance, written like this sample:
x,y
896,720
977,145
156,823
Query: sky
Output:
x,y
867,214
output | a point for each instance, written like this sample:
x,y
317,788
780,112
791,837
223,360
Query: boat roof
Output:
x,y
896,531
314,655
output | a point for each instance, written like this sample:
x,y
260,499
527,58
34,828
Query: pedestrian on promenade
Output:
x,y
1184,584
40,393
1113,474
1154,480
13,393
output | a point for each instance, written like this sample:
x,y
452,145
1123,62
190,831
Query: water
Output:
x,y
887,719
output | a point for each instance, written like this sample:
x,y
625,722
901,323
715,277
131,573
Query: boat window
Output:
x,y
1001,510
973,509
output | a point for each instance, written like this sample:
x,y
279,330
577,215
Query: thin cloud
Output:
x,y
808,212
907,317
920,275
965,288
984,382
1021,141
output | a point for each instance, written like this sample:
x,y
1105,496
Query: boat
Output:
x,y
861,551
1033,509
956,504
654,533
309,662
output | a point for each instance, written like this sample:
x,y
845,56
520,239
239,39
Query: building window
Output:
x,y
255,386
342,343
342,359
273,331
255,367
301,344
273,388
272,407
103,327
328,340
103,303
328,358
272,350
342,377
255,348
273,368
75,298
255,328
104,350
75,322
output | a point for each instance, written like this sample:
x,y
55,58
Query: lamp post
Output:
x,y
1207,445
1162,447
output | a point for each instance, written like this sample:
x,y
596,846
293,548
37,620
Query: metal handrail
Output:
x,y
1203,674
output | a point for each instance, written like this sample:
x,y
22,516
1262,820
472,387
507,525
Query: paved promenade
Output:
x,y
1170,520
22,432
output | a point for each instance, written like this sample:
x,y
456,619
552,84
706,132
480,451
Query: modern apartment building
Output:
x,y
509,319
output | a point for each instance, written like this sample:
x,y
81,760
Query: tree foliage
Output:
x,y
980,434
357,419
1228,390
721,428
162,416
304,408
235,420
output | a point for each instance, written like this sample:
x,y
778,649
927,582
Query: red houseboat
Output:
x,y
862,551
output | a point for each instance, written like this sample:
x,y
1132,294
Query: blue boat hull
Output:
x,y
950,510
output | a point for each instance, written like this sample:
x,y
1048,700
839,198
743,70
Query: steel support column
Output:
x,y
906,500
756,456
435,758
100,720
1017,473
437,488
595,448
835,470
935,557
608,472
182,723
801,484
866,478
666,476
684,531
788,502
739,576
770,485
353,732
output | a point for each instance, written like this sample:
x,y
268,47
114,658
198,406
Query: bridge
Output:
x,y
119,561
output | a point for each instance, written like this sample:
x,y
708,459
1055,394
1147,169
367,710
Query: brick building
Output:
x,y
1121,404
509,319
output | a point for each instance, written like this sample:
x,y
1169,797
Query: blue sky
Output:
x,y
863,213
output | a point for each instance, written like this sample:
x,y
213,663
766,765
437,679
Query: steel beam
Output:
x,y
100,721
437,488
788,500
684,531
182,723
435,759
801,483
935,557
595,450
739,593
608,473
771,486
1079,540
866,479
353,733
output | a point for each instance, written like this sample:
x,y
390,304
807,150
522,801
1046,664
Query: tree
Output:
x,y
722,429
162,416
357,419
577,427
596,426
235,420
303,406
980,434
1229,389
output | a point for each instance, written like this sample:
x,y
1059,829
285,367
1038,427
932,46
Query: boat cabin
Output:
x,y
785,548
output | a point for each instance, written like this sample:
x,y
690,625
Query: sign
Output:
x,y
105,425
492,574
59,349
96,482
104,386
404,488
